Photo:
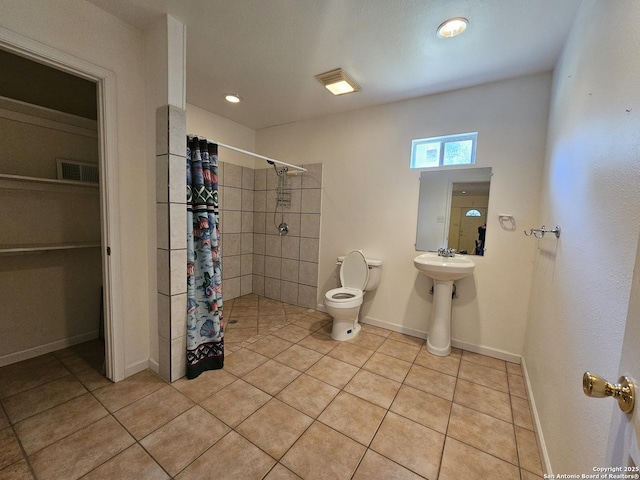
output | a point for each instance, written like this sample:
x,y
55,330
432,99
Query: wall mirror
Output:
x,y
452,209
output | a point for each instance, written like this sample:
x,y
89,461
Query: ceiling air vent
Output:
x,y
77,171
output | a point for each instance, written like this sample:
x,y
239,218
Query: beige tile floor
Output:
x,y
290,403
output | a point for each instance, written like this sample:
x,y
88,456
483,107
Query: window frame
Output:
x,y
443,140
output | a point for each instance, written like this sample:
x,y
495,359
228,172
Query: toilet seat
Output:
x,y
343,297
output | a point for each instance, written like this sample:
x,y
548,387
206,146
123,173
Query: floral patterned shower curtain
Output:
x,y
205,337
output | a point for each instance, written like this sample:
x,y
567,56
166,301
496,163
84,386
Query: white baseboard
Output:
x,y
134,368
15,357
394,327
542,446
490,352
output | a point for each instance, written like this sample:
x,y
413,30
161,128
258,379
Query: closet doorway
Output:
x,y
58,257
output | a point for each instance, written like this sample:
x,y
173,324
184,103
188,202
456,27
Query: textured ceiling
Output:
x,y
269,51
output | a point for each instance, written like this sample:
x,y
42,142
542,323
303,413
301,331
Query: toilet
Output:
x,y
357,276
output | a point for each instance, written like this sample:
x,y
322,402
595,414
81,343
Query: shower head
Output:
x,y
274,167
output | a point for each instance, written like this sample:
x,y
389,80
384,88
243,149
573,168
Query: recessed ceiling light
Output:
x,y
338,82
452,27
232,98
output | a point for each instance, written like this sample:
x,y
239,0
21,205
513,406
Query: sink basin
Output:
x,y
444,268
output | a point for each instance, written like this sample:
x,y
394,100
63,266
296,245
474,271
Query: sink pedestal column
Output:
x,y
443,270
439,340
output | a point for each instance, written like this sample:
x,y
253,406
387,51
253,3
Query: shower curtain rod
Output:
x,y
247,152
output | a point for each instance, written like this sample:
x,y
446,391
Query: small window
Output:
x,y
444,151
473,213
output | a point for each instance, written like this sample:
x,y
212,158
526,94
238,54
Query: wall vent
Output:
x,y
77,171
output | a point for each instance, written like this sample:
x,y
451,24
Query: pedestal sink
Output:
x,y
443,271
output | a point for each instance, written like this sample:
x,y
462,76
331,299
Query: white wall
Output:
x,y
214,127
78,28
370,201
581,284
19,157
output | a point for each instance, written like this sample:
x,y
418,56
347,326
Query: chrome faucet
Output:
x,y
446,252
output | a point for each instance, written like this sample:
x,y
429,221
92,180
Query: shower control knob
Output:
x,y
283,229
595,386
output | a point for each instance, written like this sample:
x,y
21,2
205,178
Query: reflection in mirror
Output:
x,y
468,217
449,218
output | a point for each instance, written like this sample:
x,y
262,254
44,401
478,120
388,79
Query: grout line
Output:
x,y
25,457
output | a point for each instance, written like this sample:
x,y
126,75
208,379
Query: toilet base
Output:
x,y
345,330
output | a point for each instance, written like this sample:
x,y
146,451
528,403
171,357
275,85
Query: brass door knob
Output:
x,y
624,391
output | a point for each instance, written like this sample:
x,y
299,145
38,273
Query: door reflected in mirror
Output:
x,y
468,217
452,212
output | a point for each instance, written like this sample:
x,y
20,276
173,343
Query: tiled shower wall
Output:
x,y
255,258
236,198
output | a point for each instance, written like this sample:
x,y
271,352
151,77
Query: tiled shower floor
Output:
x,y
290,403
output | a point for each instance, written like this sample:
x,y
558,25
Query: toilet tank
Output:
x,y
375,270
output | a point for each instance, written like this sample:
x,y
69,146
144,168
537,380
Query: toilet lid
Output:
x,y
354,271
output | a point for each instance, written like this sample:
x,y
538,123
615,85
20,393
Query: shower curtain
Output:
x,y
205,336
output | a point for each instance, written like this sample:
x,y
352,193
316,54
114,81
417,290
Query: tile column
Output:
x,y
171,216
166,56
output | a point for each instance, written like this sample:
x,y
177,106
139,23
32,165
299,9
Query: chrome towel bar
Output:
x,y
539,232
